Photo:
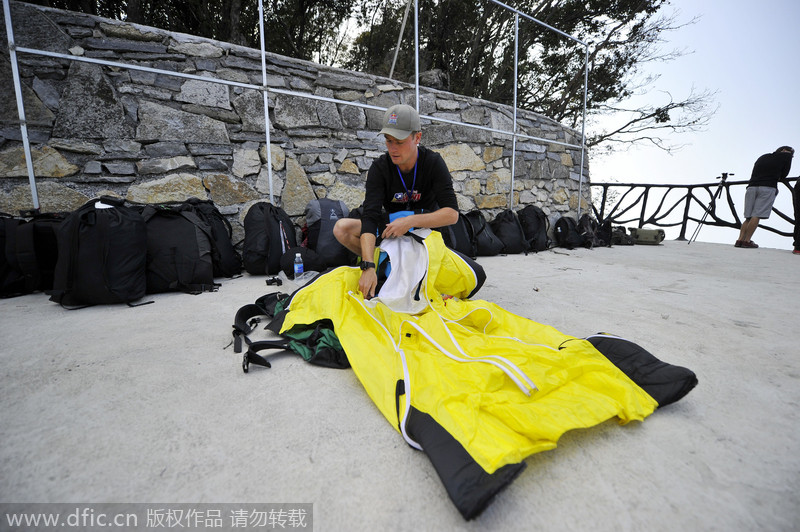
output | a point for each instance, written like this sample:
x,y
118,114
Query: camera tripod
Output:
x,y
711,205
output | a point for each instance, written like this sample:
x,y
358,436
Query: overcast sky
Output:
x,y
750,53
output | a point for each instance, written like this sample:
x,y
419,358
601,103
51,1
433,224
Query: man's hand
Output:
x,y
398,227
367,283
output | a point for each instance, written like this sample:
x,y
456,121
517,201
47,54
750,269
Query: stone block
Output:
x,y
246,162
196,49
160,122
89,108
53,197
178,187
166,149
277,154
262,182
163,166
492,153
461,157
47,162
348,167
499,182
124,168
206,93
76,146
294,112
224,190
492,201
297,191
352,195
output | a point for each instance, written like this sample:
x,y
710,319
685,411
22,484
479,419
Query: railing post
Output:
x,y
603,203
682,235
644,205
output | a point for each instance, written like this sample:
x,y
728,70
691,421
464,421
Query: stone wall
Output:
x,y
151,137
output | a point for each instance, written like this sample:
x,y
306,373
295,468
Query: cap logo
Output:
x,y
393,119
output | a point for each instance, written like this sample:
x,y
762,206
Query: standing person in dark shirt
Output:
x,y
762,190
408,177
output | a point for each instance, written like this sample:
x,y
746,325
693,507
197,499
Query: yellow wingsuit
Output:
x,y
503,386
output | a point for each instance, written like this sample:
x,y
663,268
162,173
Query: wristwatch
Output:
x,y
367,265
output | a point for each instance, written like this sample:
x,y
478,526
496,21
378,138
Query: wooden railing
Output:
x,y
626,203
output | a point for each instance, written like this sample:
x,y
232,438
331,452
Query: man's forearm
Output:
x,y
367,246
439,218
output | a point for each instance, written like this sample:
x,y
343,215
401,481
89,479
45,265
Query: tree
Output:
x,y
304,28
473,44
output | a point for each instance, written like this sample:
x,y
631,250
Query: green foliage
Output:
x,y
473,44
296,28
304,28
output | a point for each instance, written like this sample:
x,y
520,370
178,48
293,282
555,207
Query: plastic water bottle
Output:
x,y
298,265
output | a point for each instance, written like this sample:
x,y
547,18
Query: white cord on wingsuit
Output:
x,y
491,317
406,374
505,365
503,360
606,335
508,370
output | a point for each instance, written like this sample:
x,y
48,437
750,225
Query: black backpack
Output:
x,y
28,253
226,259
321,215
268,234
178,251
12,280
102,255
566,233
487,244
460,237
605,232
535,226
507,228
588,228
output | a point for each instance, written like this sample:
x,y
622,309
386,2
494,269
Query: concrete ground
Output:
x,y
118,404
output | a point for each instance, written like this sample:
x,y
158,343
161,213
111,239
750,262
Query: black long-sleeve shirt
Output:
x,y
432,189
770,168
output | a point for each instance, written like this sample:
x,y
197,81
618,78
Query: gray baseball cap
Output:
x,y
399,121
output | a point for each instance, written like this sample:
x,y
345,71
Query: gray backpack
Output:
x,y
321,216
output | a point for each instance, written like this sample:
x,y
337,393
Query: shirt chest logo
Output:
x,y
403,197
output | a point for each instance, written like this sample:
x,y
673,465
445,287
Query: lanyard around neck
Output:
x,y
409,191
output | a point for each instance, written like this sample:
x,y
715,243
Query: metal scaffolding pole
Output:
x,y
514,135
582,145
265,94
399,39
416,55
23,126
583,129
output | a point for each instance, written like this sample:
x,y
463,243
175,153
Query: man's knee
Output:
x,y
346,228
